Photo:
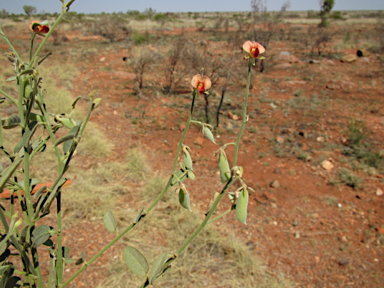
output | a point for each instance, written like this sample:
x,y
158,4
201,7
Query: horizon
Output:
x,y
174,6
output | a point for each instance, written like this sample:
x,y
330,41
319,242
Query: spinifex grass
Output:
x,y
38,127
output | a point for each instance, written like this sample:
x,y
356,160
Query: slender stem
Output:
x,y
209,215
177,154
97,255
126,230
14,101
244,114
59,263
10,45
46,38
220,216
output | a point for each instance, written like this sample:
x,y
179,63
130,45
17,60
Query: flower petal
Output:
x,y
247,46
195,80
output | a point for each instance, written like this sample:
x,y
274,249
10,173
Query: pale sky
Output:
x,y
108,6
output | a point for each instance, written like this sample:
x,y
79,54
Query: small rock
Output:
x,y
280,140
327,165
317,259
102,59
379,192
343,261
297,234
199,141
380,230
277,171
273,205
343,239
348,58
313,61
275,184
320,139
332,86
295,223
232,116
269,196
182,127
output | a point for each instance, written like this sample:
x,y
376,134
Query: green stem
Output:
x,y
59,263
126,230
220,216
97,255
177,154
209,215
33,58
14,101
237,146
10,45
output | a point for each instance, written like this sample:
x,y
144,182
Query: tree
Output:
x,y
325,8
29,10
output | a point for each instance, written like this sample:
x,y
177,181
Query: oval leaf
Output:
x,y
65,138
157,268
225,171
208,134
135,261
242,206
110,222
184,199
41,234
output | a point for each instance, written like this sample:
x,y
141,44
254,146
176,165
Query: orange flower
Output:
x,y
201,83
253,49
39,27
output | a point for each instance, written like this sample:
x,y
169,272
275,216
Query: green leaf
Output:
x,y
96,103
11,122
135,261
18,147
242,206
225,171
36,117
75,102
187,158
184,199
7,173
41,234
29,131
139,216
110,222
180,175
208,134
3,268
12,78
14,282
68,144
64,139
41,190
191,175
157,268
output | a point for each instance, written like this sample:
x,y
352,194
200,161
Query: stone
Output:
x,y
320,139
284,56
379,192
293,83
313,61
348,58
270,196
380,230
182,127
327,165
280,139
102,59
333,86
199,141
275,184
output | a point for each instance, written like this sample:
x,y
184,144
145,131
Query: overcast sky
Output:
x,y
97,6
